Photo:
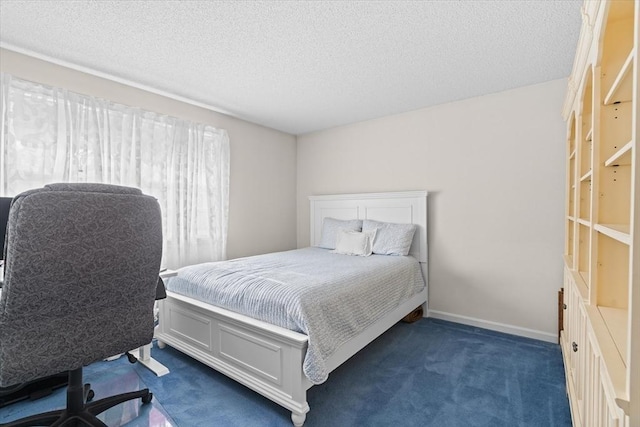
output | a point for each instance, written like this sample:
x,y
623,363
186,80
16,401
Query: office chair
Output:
x,y
80,281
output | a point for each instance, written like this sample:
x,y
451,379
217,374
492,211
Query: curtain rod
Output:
x,y
116,79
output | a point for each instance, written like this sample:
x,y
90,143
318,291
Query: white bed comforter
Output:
x,y
329,297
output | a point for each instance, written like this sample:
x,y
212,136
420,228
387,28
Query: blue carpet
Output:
x,y
429,373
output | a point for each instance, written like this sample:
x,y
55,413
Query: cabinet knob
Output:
x,y
564,306
575,346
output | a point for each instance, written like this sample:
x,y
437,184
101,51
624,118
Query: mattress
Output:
x,y
327,296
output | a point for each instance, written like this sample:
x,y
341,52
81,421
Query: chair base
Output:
x,y
79,412
33,390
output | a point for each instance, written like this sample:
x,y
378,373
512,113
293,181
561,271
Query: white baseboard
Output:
x,y
494,326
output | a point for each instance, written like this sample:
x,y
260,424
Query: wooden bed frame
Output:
x,y
266,358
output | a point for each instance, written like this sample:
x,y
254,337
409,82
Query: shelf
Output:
x,y
621,88
586,177
619,232
568,260
584,222
581,285
621,157
589,137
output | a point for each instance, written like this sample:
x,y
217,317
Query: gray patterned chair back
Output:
x,y
80,278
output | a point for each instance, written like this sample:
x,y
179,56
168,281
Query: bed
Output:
x,y
282,359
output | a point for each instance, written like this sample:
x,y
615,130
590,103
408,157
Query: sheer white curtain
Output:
x,y
52,135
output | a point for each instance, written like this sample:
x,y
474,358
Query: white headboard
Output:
x,y
406,207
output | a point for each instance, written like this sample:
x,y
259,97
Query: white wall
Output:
x,y
493,166
494,169
262,196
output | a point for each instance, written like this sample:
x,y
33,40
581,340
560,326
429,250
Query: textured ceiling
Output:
x,y
304,66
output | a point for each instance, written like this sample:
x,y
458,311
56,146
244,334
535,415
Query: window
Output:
x,y
52,135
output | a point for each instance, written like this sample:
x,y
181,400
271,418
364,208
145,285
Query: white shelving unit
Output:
x,y
601,331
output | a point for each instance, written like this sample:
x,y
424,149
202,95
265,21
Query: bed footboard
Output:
x,y
266,358
263,357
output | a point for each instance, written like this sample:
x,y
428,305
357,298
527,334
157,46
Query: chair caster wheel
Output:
x,y
148,398
90,395
132,358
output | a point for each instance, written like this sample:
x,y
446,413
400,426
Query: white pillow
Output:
x,y
391,238
330,227
354,242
